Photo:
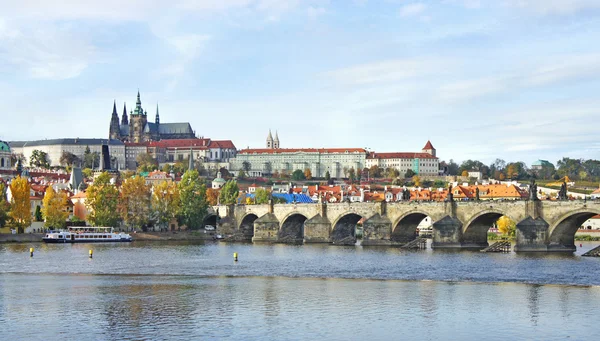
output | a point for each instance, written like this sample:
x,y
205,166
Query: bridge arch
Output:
x,y
404,229
344,229
475,231
210,219
562,232
292,227
247,225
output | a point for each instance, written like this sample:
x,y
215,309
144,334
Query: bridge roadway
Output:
x,y
541,225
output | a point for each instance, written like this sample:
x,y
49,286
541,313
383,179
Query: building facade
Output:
x,y
132,150
55,148
424,163
5,154
137,128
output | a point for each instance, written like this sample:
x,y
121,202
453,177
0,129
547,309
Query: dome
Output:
x,y
4,147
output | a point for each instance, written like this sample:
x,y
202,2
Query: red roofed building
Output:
x,y
422,163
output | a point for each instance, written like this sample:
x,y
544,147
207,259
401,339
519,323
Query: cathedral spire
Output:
x,y
157,120
115,107
124,119
191,160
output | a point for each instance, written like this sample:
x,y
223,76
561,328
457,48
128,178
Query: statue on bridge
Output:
x,y
450,196
477,193
406,194
533,191
562,193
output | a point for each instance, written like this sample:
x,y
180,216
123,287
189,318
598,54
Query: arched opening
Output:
x,y
2,162
292,229
562,236
210,220
485,226
247,225
411,226
344,230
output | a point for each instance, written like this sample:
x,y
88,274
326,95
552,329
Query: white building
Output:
x,y
424,163
214,154
132,150
55,148
5,154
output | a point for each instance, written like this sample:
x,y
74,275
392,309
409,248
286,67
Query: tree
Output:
x,y
241,174
351,174
327,176
68,159
392,173
229,193
261,196
166,202
416,180
375,171
464,173
146,163
193,199
212,196
39,159
246,166
298,175
307,174
501,177
167,168
90,160
4,205
452,167
55,209
409,173
345,170
506,226
101,200
134,202
268,168
20,205
87,173
16,157
38,214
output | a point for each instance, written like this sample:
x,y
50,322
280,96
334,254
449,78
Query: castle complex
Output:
x,y
138,129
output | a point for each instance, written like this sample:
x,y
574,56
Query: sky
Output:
x,y
511,79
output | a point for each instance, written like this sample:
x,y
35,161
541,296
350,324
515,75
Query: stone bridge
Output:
x,y
541,225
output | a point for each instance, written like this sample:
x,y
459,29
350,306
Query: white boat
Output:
x,y
86,234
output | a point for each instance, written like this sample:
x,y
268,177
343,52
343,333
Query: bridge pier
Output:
x,y
266,229
532,235
317,230
447,233
377,231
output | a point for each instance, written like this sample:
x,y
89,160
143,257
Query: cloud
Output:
x,y
557,7
412,9
314,12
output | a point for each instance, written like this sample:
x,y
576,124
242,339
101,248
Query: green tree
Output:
x,y
90,160
55,209
39,159
134,202
229,193
268,168
246,166
4,205
375,172
409,173
146,163
241,174
38,214
327,176
298,175
68,159
261,196
193,200
102,202
20,205
87,173
166,202
352,174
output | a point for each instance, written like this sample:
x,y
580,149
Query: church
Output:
x,y
136,128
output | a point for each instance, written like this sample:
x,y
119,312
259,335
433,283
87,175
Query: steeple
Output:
x,y
124,120
191,160
138,106
270,140
114,130
114,108
276,141
157,120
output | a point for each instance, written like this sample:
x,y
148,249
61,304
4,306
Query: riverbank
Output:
x,y
140,236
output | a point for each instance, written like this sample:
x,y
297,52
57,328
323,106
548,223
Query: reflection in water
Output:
x,y
533,296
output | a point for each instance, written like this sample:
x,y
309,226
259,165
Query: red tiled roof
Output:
x,y
303,150
428,145
400,155
225,144
180,143
134,144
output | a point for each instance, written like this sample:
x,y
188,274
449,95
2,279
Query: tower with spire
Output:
x,y
270,141
276,141
157,119
137,122
114,131
124,119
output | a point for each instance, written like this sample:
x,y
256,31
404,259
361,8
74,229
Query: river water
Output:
x,y
186,291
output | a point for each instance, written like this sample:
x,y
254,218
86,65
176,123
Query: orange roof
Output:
x,y
226,144
302,150
428,145
79,195
400,155
180,143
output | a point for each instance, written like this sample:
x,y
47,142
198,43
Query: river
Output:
x,y
191,290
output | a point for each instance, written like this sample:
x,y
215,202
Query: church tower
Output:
x,y
124,120
270,140
137,122
114,131
429,149
276,141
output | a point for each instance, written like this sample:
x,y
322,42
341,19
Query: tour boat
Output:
x,y
87,234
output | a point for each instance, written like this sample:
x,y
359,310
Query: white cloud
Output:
x,y
560,7
314,12
412,9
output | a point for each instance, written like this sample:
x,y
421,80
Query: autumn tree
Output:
x,y
351,174
146,163
193,200
20,205
375,171
101,200
307,174
417,180
68,159
212,196
409,173
4,205
465,173
134,202
506,226
54,208
229,193
261,196
166,202
392,172
39,159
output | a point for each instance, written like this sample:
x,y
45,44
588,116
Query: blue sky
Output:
x,y
511,79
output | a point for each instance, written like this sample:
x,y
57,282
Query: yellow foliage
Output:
x,y
134,206
465,173
506,226
249,201
20,212
417,180
54,208
307,174
212,196
166,202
